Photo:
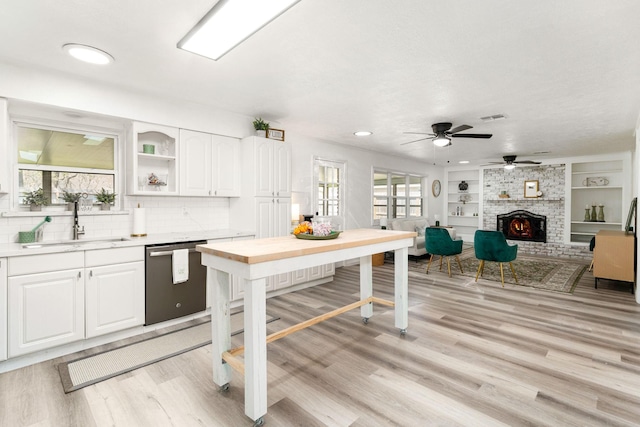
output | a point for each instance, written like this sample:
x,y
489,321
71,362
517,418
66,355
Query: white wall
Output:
x,y
359,170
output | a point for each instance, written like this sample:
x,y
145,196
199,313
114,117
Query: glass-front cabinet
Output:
x,y
152,167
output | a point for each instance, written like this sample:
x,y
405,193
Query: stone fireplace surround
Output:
x,y
551,181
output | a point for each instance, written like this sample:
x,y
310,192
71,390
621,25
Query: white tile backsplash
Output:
x,y
163,215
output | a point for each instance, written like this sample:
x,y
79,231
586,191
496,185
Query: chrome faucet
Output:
x,y
77,231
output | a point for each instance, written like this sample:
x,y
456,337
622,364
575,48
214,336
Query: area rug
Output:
x,y
89,370
551,274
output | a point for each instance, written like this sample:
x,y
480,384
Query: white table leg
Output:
x,y
366,286
255,341
220,324
401,277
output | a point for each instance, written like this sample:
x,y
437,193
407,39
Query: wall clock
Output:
x,y
435,188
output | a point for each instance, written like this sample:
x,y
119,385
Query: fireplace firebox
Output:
x,y
523,225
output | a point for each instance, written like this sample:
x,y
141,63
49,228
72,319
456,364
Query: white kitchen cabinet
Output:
x,y
3,309
152,165
114,290
209,165
270,170
45,310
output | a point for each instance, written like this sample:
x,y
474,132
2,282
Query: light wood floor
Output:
x,y
475,354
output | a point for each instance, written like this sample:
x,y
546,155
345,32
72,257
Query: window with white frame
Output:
x,y
329,177
397,195
59,160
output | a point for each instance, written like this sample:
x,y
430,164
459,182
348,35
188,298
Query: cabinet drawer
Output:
x,y
113,256
31,264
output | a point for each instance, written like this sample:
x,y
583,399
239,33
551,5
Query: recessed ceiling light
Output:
x,y
363,133
229,23
464,162
88,54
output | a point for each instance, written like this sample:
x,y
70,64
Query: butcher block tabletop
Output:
x,y
274,248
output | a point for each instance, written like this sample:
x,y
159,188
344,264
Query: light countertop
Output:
x,y
106,242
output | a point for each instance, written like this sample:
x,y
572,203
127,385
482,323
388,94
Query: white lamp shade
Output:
x,y
295,212
383,222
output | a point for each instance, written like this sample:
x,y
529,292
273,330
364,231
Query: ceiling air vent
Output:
x,y
493,118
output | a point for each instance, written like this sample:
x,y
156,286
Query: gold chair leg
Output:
x,y
502,275
480,267
459,264
513,271
449,266
441,262
429,265
591,265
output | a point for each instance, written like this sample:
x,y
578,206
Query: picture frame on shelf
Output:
x,y
531,189
277,134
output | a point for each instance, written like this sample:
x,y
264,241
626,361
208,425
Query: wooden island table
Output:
x,y
255,260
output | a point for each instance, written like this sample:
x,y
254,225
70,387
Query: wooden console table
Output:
x,y
255,260
614,256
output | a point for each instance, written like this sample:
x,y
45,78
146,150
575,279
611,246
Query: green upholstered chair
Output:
x,y
492,246
438,241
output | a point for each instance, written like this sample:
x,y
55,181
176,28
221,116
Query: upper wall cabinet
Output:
x,y
209,165
272,162
152,167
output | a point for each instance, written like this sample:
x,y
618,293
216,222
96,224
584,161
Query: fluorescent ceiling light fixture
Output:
x,y
88,54
362,133
510,166
441,140
229,23
463,162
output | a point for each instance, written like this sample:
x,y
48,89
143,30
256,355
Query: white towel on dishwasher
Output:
x,y
180,266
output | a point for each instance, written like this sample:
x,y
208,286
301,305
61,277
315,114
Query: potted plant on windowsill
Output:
x,y
106,199
36,199
261,127
70,198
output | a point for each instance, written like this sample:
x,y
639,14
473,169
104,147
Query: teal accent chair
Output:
x,y
438,241
493,246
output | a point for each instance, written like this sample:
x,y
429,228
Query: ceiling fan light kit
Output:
x,y
441,140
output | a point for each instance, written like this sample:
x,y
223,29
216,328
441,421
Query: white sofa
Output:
x,y
417,224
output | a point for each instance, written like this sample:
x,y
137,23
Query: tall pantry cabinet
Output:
x,y
265,203
265,206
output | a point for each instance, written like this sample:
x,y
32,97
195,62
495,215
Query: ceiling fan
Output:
x,y
442,134
510,162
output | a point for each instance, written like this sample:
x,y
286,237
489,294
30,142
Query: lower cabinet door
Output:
x,y
115,298
45,310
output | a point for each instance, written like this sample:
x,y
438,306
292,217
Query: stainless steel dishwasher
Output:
x,y
163,299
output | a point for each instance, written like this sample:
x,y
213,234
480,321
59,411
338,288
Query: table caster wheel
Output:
x,y
259,422
365,320
223,388
403,332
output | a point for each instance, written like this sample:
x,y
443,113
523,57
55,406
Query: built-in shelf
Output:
x,y
615,169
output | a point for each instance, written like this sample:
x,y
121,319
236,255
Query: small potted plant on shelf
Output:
x,y
261,127
106,199
36,199
70,198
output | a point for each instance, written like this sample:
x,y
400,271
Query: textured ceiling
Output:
x,y
565,73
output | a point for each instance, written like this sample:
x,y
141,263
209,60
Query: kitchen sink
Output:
x,y
36,245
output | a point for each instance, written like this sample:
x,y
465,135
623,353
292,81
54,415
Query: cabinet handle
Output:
x,y
79,274
90,274
209,192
